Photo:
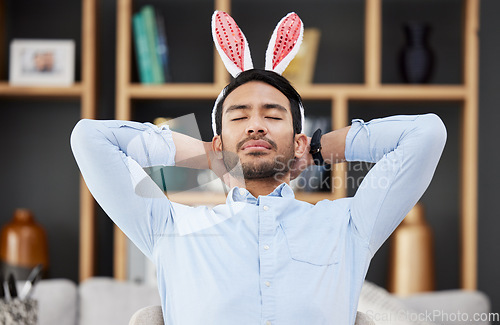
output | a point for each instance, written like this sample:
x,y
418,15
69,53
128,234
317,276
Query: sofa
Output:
x,y
103,300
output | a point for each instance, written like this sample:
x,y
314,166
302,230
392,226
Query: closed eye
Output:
x,y
269,117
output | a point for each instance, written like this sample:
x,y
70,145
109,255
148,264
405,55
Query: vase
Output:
x,y
416,56
411,255
23,245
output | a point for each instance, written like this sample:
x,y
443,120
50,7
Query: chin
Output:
x,y
257,153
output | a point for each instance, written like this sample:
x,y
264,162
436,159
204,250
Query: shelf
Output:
x,y
314,92
383,92
340,95
174,91
83,91
7,90
213,198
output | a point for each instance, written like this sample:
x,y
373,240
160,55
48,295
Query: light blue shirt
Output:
x,y
267,260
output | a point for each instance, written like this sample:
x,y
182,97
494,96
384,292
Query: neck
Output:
x,y
259,186
262,186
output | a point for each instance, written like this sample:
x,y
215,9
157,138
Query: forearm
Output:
x,y
191,152
332,150
333,146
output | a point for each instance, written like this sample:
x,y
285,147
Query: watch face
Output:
x,y
315,151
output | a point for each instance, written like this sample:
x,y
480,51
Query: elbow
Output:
x,y
80,133
434,131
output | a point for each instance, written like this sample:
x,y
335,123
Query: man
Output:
x,y
263,257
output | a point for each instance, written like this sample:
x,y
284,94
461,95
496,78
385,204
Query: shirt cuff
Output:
x,y
153,147
357,142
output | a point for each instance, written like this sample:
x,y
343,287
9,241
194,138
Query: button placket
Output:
x,y
267,231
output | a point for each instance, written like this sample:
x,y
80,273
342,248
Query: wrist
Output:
x,y
315,148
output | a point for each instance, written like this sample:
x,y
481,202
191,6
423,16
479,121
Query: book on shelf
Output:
x,y
142,50
162,46
151,46
301,70
148,14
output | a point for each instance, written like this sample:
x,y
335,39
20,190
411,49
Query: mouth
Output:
x,y
260,145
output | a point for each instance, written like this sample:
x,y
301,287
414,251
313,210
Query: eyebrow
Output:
x,y
267,106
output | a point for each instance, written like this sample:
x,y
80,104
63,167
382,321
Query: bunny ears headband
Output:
x,y
233,48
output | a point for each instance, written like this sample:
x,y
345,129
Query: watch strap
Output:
x,y
315,150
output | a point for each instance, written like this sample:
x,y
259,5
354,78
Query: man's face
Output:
x,y
257,130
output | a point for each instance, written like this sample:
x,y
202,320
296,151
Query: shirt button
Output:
x,y
242,191
267,283
268,323
266,247
265,208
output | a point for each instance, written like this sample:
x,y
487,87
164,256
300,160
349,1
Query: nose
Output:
x,y
256,125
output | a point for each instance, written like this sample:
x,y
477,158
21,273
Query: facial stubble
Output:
x,y
258,168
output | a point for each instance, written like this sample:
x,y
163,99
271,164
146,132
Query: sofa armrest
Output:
x,y
153,315
57,302
105,301
451,306
363,319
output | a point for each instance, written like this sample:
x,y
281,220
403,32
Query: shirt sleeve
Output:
x,y
111,155
406,150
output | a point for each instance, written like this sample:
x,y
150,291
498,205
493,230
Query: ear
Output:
x,y
284,43
217,146
301,143
231,43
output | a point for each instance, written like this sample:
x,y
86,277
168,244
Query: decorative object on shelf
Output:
x,y
23,245
42,62
17,312
416,57
301,70
18,308
411,266
151,46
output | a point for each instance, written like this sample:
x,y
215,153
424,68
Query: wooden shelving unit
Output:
x,y
74,91
85,91
339,95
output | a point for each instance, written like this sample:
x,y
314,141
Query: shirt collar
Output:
x,y
241,194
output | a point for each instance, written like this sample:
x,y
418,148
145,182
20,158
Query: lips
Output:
x,y
256,144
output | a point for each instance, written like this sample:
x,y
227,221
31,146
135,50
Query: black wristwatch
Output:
x,y
315,150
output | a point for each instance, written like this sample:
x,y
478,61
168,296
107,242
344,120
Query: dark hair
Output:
x,y
271,78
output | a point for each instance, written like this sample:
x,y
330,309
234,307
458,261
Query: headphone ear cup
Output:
x,y
284,43
231,43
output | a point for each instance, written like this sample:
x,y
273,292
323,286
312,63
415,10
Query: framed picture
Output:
x,y
42,62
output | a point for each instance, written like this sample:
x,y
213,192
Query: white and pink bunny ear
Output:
x,y
283,46
231,43
285,43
